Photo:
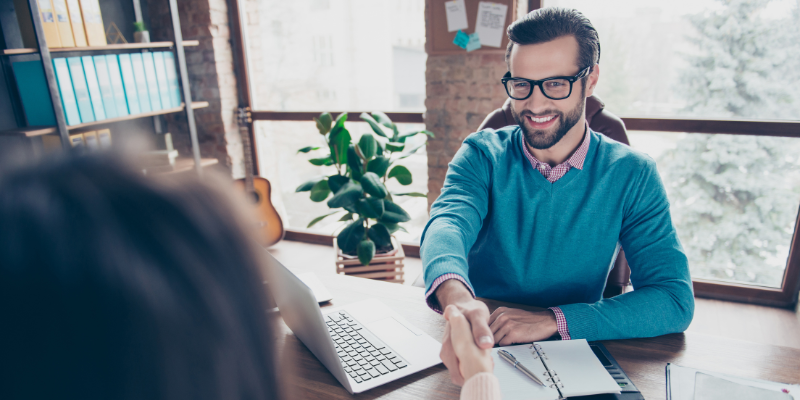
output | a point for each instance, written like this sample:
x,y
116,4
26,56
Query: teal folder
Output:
x,y
81,89
141,82
172,79
106,90
152,81
161,77
94,88
34,93
68,100
115,75
129,83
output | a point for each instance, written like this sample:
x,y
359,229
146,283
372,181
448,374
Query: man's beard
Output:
x,y
541,140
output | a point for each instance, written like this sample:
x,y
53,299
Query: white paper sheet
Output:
x,y
490,25
681,382
456,13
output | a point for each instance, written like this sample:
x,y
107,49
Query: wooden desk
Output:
x,y
643,359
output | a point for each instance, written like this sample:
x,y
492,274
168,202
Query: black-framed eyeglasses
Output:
x,y
555,88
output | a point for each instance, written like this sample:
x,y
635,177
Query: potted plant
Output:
x,y
140,35
357,191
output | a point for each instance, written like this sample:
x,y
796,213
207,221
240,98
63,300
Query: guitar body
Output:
x,y
268,223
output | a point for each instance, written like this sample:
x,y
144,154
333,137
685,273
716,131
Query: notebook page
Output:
x,y
513,383
580,371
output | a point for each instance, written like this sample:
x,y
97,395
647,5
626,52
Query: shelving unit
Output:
x,y
62,130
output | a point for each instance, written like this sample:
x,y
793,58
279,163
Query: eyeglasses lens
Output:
x,y
555,88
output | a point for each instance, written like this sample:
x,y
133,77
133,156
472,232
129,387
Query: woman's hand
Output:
x,y
470,358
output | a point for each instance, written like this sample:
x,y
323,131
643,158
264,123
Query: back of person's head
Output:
x,y
549,23
118,286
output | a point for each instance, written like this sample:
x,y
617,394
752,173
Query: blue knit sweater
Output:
x,y
516,237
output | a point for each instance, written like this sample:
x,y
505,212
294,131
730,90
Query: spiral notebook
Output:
x,y
567,367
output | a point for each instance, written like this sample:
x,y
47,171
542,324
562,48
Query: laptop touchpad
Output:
x,y
391,331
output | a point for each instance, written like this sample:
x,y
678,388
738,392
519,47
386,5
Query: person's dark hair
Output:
x,y
114,285
549,23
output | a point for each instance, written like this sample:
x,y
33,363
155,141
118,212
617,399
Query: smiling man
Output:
x,y
535,213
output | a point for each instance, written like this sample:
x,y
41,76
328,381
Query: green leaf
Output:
x,y
308,185
402,138
394,213
351,208
411,152
320,218
368,146
354,162
348,195
349,238
379,165
320,191
373,186
379,234
411,194
336,182
395,146
321,161
402,174
323,123
370,208
339,143
396,134
382,119
307,149
391,226
347,217
373,124
366,251
340,120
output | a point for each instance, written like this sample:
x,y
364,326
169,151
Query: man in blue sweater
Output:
x,y
535,213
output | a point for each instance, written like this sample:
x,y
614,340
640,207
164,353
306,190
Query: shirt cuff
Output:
x,y
433,302
561,322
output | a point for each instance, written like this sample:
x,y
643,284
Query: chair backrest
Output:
x,y
601,121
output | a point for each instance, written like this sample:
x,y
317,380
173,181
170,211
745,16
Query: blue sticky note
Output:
x,y
474,42
461,39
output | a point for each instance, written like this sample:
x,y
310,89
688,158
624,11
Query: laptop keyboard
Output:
x,y
363,355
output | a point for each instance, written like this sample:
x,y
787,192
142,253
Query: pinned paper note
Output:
x,y
491,23
456,15
461,40
474,42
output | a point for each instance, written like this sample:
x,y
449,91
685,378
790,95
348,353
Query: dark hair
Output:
x,y
549,23
114,285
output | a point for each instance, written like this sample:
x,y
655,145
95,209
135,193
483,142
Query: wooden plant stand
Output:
x,y
381,268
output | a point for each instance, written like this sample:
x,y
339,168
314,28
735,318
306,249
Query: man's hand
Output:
x,y
512,326
453,292
471,359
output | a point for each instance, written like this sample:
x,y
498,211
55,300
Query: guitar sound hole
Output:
x,y
255,197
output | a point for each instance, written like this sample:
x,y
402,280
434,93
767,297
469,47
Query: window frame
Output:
x,y
785,296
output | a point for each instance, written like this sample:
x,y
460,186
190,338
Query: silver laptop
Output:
x,y
363,344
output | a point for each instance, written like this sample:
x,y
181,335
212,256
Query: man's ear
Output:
x,y
591,80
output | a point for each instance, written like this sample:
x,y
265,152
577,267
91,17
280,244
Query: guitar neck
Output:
x,y
244,132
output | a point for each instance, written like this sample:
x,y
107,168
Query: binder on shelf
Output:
x,y
129,83
141,82
90,139
62,22
76,140
172,79
152,81
81,89
76,21
49,26
34,93
106,90
104,138
161,77
115,76
68,100
94,88
93,23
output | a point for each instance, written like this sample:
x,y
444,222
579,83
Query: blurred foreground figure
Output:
x,y
118,286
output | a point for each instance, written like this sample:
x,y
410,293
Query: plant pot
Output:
x,y
386,267
141,37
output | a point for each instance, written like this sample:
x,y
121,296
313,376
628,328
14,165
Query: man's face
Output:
x,y
545,121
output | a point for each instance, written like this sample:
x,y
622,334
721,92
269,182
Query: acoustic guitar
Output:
x,y
268,222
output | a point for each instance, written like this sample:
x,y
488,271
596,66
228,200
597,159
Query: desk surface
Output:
x,y
643,359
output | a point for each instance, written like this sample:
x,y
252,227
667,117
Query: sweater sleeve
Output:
x,y
663,299
456,216
482,386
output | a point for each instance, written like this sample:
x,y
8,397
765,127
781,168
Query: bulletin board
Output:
x,y
440,41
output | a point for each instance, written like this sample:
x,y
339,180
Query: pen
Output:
x,y
512,360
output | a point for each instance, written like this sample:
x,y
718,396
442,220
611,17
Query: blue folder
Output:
x,y
115,75
34,93
172,79
94,88
68,100
152,81
106,90
141,82
81,89
163,84
129,83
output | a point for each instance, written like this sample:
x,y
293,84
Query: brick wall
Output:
x,y
212,78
